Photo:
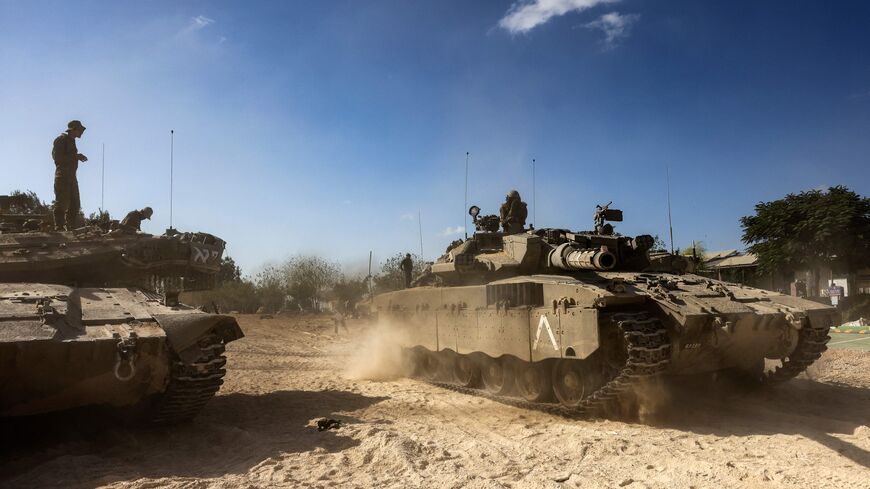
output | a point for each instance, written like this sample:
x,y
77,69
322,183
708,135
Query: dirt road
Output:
x,y
259,431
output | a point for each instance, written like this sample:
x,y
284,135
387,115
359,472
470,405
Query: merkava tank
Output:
x,y
90,317
580,318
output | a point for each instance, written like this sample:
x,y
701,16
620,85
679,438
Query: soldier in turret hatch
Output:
x,y
513,213
66,186
133,221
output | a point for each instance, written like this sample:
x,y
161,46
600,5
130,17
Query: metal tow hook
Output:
x,y
127,353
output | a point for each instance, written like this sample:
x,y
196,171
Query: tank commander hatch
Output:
x,y
132,222
513,213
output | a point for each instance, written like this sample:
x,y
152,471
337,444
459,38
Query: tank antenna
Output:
x,y
103,182
171,168
465,210
420,231
534,196
670,223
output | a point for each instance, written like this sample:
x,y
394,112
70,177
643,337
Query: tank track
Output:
x,y
812,342
648,351
191,385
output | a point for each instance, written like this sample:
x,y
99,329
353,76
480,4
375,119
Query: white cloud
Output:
x,y
525,15
200,21
197,23
407,217
452,231
615,27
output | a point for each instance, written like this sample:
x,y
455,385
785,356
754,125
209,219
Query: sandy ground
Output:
x,y
259,431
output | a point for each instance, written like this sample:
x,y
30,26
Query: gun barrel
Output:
x,y
568,257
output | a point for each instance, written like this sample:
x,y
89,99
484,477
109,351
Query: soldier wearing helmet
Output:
x,y
407,266
133,221
66,185
513,213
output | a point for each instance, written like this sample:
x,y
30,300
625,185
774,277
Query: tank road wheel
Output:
x,y
570,380
466,371
533,380
493,375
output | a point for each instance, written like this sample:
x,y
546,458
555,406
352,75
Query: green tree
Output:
x,y
697,249
101,219
809,230
308,278
270,284
696,253
229,271
242,296
27,202
349,290
391,276
659,244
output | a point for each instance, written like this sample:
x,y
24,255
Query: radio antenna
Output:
x,y
670,223
465,210
171,170
420,230
534,196
103,182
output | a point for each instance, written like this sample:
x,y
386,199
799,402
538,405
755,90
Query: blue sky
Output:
x,y
327,126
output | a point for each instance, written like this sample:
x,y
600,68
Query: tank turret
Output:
x,y
490,254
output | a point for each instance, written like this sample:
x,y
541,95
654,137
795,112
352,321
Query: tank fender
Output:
x,y
184,330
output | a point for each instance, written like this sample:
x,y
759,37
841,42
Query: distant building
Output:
x,y
742,268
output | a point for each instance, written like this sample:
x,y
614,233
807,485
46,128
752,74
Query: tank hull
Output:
x,y
64,347
559,325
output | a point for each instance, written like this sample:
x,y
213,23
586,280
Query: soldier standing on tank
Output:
x,y
513,213
407,267
66,186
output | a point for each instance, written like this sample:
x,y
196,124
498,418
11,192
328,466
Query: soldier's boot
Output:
x,y
59,220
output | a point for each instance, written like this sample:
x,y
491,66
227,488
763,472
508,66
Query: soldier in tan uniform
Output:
x,y
66,186
513,213
132,222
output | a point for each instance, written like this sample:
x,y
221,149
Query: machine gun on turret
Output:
x,y
602,214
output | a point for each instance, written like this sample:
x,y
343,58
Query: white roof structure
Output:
x,y
729,259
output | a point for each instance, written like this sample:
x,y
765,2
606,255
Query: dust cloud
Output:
x,y
379,355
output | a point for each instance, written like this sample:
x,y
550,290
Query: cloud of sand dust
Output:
x,y
379,356
653,398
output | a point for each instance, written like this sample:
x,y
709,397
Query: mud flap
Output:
x,y
184,330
